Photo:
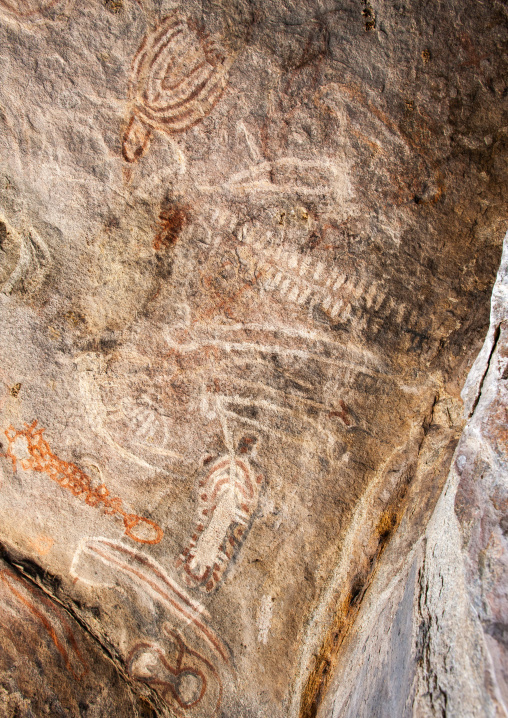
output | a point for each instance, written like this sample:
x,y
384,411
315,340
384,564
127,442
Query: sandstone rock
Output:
x,y
48,664
431,631
247,251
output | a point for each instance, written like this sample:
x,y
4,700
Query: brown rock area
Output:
x,y
247,250
430,636
48,664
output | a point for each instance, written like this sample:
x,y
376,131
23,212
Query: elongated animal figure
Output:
x,y
228,497
177,78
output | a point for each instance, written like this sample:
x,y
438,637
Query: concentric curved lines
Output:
x,y
190,111
177,78
228,497
51,619
33,260
151,577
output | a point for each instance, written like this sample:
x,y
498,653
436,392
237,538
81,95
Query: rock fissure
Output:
x,y
50,586
345,618
497,334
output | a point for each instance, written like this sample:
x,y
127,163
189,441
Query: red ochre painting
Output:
x,y
72,478
228,498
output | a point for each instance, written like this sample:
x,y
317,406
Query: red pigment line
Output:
x,y
147,562
71,477
191,652
129,569
165,26
61,618
161,47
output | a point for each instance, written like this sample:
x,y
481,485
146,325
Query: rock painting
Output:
x,y
299,279
28,448
265,616
186,681
228,497
177,78
147,576
172,219
306,281
230,380
186,678
284,176
134,423
21,600
25,258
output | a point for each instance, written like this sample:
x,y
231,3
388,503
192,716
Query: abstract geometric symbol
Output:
x,y
40,458
177,78
228,498
186,681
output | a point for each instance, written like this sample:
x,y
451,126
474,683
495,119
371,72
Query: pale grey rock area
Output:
x,y
252,453
431,636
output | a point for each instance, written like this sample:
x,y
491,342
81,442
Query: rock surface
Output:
x,y
246,256
430,638
48,664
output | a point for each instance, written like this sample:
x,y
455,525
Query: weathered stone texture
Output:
x,y
431,636
48,664
246,254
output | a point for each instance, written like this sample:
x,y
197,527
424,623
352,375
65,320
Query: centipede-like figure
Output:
x,y
228,498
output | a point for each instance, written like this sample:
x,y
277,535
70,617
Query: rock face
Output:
x,y
48,664
247,251
430,637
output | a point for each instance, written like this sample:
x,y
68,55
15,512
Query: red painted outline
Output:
x,y
72,478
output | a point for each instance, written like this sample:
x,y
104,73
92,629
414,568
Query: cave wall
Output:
x,y
247,250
